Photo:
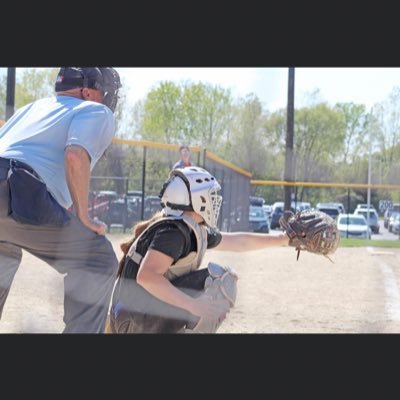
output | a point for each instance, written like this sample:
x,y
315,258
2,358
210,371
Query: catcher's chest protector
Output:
x,y
184,265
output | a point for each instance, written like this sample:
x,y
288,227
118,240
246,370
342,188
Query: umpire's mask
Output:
x,y
105,79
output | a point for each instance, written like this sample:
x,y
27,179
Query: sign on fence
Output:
x,y
385,204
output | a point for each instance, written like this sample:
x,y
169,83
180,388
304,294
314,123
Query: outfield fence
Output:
x,y
143,166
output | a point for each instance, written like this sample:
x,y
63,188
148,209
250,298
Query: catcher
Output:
x,y
311,230
160,286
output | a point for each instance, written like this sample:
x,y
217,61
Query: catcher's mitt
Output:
x,y
311,230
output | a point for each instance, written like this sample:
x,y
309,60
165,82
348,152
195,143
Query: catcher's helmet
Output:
x,y
192,189
105,79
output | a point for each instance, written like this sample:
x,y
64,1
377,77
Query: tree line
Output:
x,y
332,143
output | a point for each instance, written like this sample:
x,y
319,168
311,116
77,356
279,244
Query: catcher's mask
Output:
x,y
192,189
105,79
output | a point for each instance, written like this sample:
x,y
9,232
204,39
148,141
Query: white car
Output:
x,y
329,208
340,206
268,210
394,224
353,226
394,216
365,207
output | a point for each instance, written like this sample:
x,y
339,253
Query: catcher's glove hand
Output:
x,y
311,230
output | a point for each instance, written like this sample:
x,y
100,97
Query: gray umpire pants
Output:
x,y
87,260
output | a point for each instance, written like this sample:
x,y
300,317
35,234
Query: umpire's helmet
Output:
x,y
192,189
105,79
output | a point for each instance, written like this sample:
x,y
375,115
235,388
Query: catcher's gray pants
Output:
x,y
134,310
87,260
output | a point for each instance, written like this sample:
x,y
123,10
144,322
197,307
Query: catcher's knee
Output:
x,y
221,284
224,280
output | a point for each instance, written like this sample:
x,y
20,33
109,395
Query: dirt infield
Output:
x,y
358,293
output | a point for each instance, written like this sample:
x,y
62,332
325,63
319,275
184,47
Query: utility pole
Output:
x,y
10,96
288,176
369,173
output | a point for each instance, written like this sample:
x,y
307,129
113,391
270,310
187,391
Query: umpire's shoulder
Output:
x,y
97,108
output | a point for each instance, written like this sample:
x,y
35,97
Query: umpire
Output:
x,y
47,151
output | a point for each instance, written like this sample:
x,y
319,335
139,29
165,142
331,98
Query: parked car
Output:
x,y
258,220
134,197
99,203
134,194
152,204
364,205
277,211
120,212
256,201
395,208
394,216
268,210
353,226
340,206
329,208
394,225
301,205
373,220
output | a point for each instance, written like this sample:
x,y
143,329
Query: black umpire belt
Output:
x,y
6,164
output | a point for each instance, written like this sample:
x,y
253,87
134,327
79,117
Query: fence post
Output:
x,y
204,158
143,180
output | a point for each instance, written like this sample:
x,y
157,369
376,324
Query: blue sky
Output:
x,y
366,86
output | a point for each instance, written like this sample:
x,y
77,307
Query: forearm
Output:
x,y
77,170
247,241
160,287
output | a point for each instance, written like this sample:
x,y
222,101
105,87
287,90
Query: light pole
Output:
x,y
289,140
369,169
369,179
10,96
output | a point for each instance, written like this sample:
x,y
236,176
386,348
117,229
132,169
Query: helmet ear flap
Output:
x,y
175,196
162,191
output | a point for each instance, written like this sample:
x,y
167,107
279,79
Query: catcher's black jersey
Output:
x,y
168,238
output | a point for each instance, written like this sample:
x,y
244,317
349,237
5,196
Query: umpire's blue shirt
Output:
x,y
38,133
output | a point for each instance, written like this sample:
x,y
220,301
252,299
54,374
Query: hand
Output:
x,y
95,225
207,307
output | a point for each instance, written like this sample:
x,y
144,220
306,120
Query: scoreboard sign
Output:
x,y
385,204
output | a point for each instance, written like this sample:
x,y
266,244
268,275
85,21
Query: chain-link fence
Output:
x,y
130,175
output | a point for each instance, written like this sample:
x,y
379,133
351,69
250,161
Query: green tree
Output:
x,y
355,119
34,84
196,114
249,147
318,142
387,114
162,119
207,115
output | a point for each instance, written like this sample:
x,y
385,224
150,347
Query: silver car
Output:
x,y
373,220
393,224
353,226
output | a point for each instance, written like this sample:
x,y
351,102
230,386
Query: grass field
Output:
x,y
393,244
